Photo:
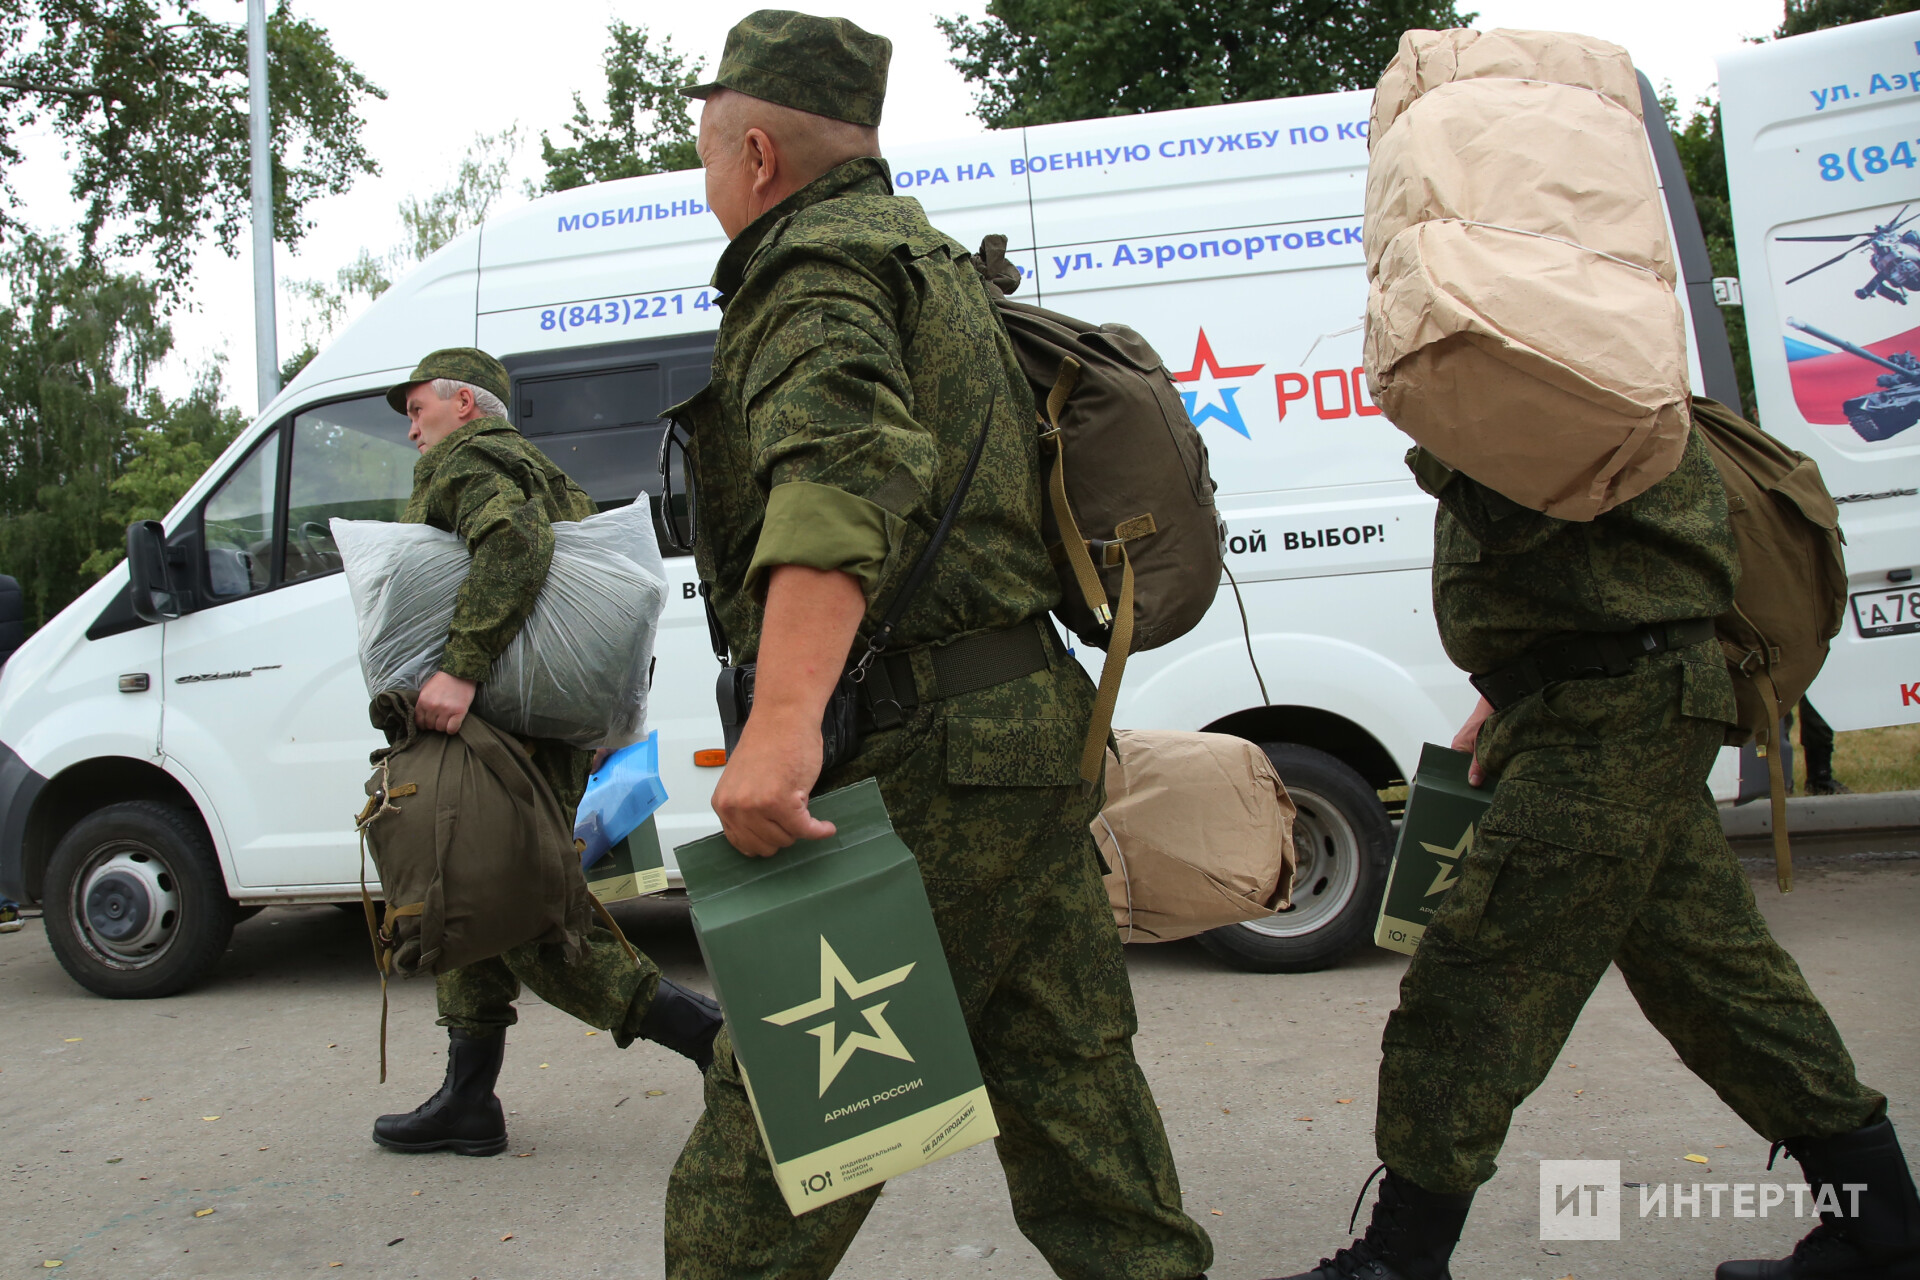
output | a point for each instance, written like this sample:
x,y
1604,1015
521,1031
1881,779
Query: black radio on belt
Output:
x,y
840,724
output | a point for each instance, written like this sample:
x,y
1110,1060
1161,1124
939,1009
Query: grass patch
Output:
x,y
1871,759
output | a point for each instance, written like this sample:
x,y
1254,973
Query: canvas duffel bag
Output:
x,y
1522,322
1197,833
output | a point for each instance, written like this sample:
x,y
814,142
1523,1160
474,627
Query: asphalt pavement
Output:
x,y
224,1132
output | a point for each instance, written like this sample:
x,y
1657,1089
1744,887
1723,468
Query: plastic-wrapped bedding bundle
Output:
x,y
1521,321
578,671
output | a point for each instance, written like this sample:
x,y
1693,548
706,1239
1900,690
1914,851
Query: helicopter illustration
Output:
x,y
1891,409
1895,255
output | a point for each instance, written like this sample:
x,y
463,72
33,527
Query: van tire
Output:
x,y
1344,842
136,907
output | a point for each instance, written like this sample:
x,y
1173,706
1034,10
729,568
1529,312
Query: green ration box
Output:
x,y
843,1014
1443,811
633,868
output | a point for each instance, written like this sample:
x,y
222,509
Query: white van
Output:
x,y
1823,161
154,775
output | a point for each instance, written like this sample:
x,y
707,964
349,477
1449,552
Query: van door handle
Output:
x,y
136,682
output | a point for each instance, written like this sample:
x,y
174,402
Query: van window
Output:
x,y
237,524
351,459
602,428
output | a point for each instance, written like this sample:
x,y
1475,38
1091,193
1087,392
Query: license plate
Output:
x,y
1887,613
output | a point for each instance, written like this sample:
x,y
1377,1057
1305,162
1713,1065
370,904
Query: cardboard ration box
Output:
x,y
1443,813
633,868
836,991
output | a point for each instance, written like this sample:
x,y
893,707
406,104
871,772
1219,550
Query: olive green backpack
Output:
x,y
1792,595
475,854
1130,523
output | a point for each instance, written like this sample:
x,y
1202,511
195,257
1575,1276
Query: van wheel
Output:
x,y
1344,843
135,903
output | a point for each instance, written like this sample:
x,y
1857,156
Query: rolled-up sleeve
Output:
x,y
822,527
831,425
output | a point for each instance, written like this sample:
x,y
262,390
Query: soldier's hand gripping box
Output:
x,y
1443,811
836,992
631,869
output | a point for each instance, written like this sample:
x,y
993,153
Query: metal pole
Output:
x,y
266,340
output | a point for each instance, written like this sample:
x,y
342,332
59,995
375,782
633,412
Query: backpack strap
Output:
x,y
1072,542
1093,755
1767,743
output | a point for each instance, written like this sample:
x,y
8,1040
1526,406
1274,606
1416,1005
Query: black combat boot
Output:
x,y
464,1116
1876,1234
1412,1235
683,1021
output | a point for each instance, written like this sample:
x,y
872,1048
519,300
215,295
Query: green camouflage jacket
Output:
x,y
1506,576
857,360
499,493
486,483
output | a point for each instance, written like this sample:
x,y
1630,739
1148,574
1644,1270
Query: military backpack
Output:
x,y
1792,595
475,854
1131,524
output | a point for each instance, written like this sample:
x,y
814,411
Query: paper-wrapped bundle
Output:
x,y
1522,322
579,669
1197,833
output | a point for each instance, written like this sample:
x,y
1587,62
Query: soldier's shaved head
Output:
x,y
757,153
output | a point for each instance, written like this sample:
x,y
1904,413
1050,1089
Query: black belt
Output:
x,y
981,661
1585,655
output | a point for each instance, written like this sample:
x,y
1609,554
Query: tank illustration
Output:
x,y
1895,406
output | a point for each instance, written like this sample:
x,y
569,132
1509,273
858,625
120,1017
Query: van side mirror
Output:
x,y
150,585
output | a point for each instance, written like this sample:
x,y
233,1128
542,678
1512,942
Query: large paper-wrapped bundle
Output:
x,y
1197,832
1522,322
579,669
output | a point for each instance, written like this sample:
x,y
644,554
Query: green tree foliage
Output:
x,y
76,343
149,99
648,127
166,455
1817,15
1043,61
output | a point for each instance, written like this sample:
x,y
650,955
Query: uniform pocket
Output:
x,y
993,752
1550,882
1706,693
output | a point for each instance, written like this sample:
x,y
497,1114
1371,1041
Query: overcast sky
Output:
x,y
452,70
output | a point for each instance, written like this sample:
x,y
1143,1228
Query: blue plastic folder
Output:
x,y
619,798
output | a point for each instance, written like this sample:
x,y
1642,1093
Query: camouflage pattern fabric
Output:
x,y
462,364
859,353
1001,839
1666,555
1602,845
486,483
826,66
605,989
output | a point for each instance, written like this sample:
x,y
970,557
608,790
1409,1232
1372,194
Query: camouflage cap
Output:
x,y
827,66
463,364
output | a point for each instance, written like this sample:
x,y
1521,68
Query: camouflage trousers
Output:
x,y
1602,846
999,828
604,989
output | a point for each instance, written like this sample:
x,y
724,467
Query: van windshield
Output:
x,y
351,459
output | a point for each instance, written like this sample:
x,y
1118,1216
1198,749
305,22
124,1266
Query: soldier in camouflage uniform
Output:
x,y
858,362
1603,846
478,477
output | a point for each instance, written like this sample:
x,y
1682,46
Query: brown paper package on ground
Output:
x,y
1197,833
1522,322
